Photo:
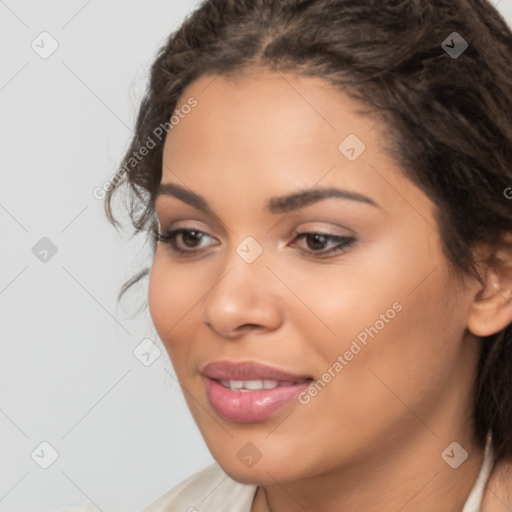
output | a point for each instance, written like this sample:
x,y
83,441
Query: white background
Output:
x,y
68,375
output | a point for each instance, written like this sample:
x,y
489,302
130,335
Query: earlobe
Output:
x,y
491,309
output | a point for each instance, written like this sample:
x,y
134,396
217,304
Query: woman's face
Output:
x,y
350,289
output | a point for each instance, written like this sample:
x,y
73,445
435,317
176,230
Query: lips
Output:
x,y
247,392
247,370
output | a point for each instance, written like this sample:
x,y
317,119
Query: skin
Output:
x,y
372,438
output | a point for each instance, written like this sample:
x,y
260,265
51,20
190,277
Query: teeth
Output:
x,y
236,385
252,385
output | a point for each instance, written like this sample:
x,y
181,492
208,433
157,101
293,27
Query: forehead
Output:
x,y
267,117
264,131
271,101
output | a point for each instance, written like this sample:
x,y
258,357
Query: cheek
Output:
x,y
161,297
173,291
334,303
394,314
410,359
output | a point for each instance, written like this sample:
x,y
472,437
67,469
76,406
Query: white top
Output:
x,y
474,501
212,490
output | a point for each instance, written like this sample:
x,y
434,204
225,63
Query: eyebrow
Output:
x,y
275,205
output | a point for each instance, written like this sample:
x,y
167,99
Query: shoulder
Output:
x,y
210,489
498,491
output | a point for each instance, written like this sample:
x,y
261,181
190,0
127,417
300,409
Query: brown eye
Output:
x,y
316,243
191,238
183,241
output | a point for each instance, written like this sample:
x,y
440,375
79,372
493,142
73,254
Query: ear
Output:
x,y
491,309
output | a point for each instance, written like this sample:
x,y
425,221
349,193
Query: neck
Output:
x,y
408,475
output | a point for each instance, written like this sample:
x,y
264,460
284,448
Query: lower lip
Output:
x,y
245,407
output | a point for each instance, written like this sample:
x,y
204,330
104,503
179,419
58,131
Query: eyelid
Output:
x,y
188,223
342,244
327,228
181,212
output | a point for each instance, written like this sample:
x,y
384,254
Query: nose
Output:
x,y
244,298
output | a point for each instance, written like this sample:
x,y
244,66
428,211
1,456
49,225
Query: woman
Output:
x,y
325,181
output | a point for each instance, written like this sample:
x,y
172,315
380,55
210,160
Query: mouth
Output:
x,y
244,405
249,371
257,384
247,392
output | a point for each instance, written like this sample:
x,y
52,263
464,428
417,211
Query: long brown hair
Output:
x,y
447,101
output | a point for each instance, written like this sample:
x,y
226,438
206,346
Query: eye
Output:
x,y
182,240
318,242
185,241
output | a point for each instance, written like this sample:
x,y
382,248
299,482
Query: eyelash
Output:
x,y
169,238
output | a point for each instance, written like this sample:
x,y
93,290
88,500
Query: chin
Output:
x,y
263,472
255,476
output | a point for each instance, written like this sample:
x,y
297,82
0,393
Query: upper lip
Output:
x,y
248,370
